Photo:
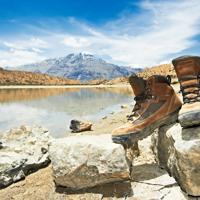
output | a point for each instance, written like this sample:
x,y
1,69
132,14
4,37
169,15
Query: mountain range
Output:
x,y
82,67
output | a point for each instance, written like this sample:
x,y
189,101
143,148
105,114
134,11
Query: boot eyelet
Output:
x,y
155,98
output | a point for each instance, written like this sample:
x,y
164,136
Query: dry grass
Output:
x,y
165,69
8,77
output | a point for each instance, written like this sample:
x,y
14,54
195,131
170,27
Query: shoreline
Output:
x,y
61,86
147,179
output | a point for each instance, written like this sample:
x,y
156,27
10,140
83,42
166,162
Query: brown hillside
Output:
x,y
165,69
8,77
97,82
121,80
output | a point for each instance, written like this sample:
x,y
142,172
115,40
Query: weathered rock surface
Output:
x,y
77,126
178,151
149,182
86,161
23,151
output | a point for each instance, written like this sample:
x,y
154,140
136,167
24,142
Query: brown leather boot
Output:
x,y
188,72
138,86
160,107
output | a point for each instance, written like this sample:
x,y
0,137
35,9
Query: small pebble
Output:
x,y
1,145
123,106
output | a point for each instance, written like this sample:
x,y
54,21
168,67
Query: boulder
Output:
x,y
178,151
85,161
24,151
77,126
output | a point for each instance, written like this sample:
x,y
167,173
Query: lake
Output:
x,y
54,108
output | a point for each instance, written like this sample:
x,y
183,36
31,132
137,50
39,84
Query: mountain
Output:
x,y
83,67
8,77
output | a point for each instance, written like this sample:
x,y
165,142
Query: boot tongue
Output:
x,y
138,84
157,86
159,79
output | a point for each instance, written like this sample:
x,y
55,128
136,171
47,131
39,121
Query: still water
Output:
x,y
55,107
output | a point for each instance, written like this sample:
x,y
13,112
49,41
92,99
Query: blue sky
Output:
x,y
127,32
94,11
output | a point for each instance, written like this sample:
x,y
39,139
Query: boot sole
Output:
x,y
129,139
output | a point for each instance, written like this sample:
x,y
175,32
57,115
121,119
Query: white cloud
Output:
x,y
76,42
15,57
21,52
37,50
36,42
160,30
27,44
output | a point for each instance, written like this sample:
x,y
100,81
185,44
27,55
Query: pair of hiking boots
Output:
x,y
157,104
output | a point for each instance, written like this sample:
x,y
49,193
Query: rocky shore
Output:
x,y
23,151
88,165
178,151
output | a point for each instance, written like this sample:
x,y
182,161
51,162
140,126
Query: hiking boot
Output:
x,y
138,86
188,72
161,107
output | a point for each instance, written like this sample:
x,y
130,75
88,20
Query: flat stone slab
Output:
x,y
23,151
178,151
86,161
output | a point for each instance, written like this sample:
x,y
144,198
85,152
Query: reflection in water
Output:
x,y
13,95
54,108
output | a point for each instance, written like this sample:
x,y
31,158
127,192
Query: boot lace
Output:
x,y
139,100
192,95
145,96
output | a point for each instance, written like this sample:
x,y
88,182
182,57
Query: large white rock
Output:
x,y
23,151
85,161
178,151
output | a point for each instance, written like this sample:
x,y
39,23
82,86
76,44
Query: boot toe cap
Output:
x,y
120,131
121,135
